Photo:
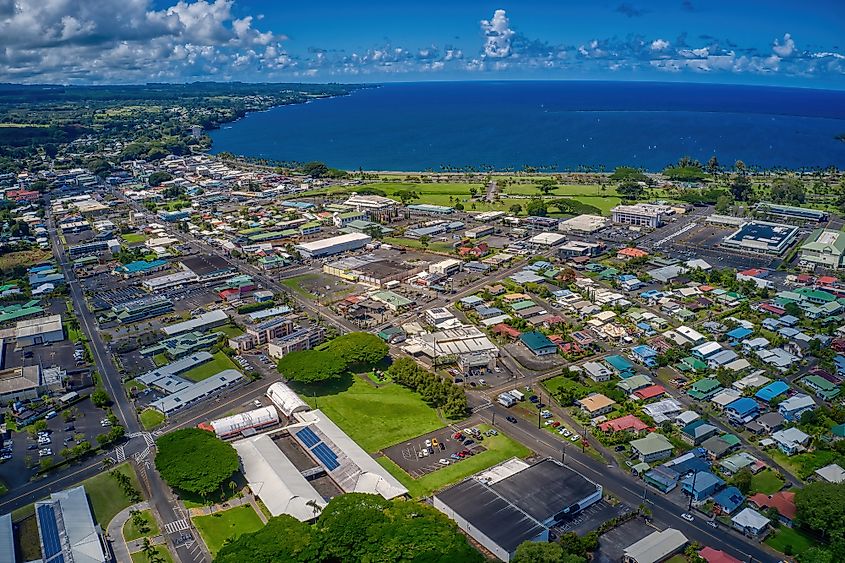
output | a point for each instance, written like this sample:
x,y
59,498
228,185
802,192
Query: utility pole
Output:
x,y
692,492
493,423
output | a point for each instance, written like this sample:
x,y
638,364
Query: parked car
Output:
x,y
687,516
575,438
45,452
457,436
555,424
456,457
469,442
713,523
434,442
511,419
534,399
619,448
443,461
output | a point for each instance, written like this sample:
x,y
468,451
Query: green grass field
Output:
x,y
374,417
24,258
161,359
162,551
559,382
131,531
133,238
784,536
295,284
499,448
219,363
766,482
151,418
230,331
216,528
107,498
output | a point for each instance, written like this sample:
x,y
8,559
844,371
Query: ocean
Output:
x,y
553,126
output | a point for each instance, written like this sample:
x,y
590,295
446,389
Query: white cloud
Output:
x,y
659,45
498,36
786,48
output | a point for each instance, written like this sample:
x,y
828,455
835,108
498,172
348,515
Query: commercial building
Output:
x,y
286,400
583,224
655,547
262,333
641,214
825,248
538,343
333,245
299,339
478,232
202,322
371,204
428,209
516,502
41,330
183,344
371,270
242,423
165,378
140,267
762,237
67,530
7,538
274,479
140,309
196,392
94,247
547,239
21,383
446,267
791,213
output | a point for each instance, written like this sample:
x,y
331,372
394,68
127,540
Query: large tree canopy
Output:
x,y
311,366
195,461
360,348
284,538
536,552
821,507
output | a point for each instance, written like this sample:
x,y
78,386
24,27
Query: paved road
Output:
x,y
622,485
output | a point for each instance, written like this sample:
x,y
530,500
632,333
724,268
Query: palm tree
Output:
x,y
314,506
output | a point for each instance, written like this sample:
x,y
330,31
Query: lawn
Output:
x,y
134,238
216,528
499,448
218,363
554,384
106,496
161,550
229,330
161,359
151,418
804,465
131,531
295,284
766,482
788,536
374,417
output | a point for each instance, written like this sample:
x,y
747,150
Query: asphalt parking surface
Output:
x,y
591,518
406,454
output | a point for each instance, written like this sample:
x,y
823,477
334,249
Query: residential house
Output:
x,y
597,372
750,522
652,447
793,407
701,485
718,446
791,440
646,355
629,423
742,410
783,502
729,499
766,423
538,343
739,461
821,387
596,404
698,431
703,389
772,391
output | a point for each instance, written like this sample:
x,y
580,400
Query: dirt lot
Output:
x,y
406,455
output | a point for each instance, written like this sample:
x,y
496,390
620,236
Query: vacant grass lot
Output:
x,y
559,382
296,284
230,331
134,238
499,449
767,482
161,551
219,363
132,532
216,528
374,417
151,418
24,258
796,539
413,243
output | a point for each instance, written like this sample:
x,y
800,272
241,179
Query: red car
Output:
x,y
555,424
461,454
458,436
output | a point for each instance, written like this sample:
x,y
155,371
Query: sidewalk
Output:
x,y
115,531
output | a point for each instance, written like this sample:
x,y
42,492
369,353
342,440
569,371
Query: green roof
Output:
x,y
652,444
731,439
520,305
827,241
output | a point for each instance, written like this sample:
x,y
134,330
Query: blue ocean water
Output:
x,y
556,125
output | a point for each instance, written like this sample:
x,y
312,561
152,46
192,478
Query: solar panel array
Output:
x,y
320,450
50,534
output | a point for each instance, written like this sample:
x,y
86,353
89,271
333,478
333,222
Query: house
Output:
x,y
791,440
705,350
646,355
771,391
718,446
729,499
739,461
634,383
652,447
597,372
742,410
701,485
821,387
662,478
630,253
650,392
655,547
711,555
703,389
832,473
766,423
538,343
698,431
686,417
596,404
783,502
738,334
793,407
619,364
750,522
629,422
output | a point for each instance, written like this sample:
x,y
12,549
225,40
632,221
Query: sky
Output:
x,y
771,42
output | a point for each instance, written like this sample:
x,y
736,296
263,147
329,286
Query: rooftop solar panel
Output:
x,y
49,531
308,437
326,456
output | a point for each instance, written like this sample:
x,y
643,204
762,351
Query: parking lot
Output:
x,y
590,518
25,449
422,454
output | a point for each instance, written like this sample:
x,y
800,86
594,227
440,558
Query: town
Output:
x,y
652,382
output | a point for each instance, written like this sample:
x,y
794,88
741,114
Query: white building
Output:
x,y
446,267
641,214
285,399
251,420
41,330
655,547
333,245
370,203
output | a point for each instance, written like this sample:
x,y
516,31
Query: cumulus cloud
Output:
x,y
786,48
498,36
659,45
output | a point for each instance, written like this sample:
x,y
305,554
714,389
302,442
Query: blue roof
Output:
x,y
536,340
730,498
644,351
141,265
692,463
618,363
743,406
739,333
703,480
471,300
772,390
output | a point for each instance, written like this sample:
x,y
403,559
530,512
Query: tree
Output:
x,y
100,398
537,552
821,507
739,166
406,195
788,190
195,461
300,544
723,203
630,190
157,178
628,174
374,231
311,366
473,191
359,348
546,186
713,166
314,169
740,188
536,207
793,309
424,240
742,481
515,209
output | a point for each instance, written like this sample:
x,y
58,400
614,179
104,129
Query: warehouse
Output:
x,y
333,245
763,237
274,479
285,399
203,322
547,239
516,502
39,331
657,546
583,224
242,423
195,393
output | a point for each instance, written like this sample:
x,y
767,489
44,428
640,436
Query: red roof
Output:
x,y
753,272
783,502
769,308
716,556
632,252
650,392
804,278
506,330
627,422
827,280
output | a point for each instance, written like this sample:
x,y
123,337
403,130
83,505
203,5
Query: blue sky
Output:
x,y
743,41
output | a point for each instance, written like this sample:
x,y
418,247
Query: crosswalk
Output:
x,y
176,526
120,454
140,456
148,439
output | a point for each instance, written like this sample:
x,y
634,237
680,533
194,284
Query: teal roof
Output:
x,y
536,340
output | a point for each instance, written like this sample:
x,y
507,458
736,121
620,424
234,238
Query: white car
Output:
x,y
562,431
549,422
687,516
45,452
575,438
428,443
425,453
443,461
257,404
566,433
105,422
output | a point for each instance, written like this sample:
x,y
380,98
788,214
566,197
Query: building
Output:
x,y
583,224
165,378
446,267
7,538
782,501
750,522
652,448
333,245
711,555
793,407
196,392
67,530
832,473
479,232
701,485
242,423
205,321
140,309
596,404
762,237
641,214
821,387
274,479
428,209
516,502
300,339
93,247
41,330
286,400
825,248
342,220
655,547
791,440
538,343
372,205
788,212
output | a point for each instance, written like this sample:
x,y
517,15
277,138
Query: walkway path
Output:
x,y
212,508
115,531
